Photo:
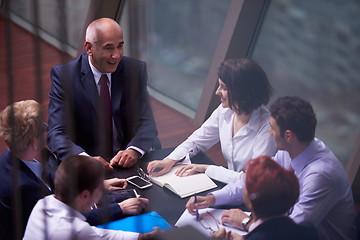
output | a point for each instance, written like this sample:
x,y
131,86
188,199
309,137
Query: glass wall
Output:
x,y
177,39
59,24
312,49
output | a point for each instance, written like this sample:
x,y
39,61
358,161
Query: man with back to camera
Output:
x,y
99,102
325,193
78,186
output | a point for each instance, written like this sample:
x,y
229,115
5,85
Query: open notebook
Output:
x,y
184,186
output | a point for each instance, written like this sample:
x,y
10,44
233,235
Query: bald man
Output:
x,y
99,102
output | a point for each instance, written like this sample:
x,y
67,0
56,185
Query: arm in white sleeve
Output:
x,y
200,140
113,234
223,174
231,194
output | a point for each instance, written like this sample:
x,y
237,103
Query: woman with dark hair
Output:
x,y
270,191
240,123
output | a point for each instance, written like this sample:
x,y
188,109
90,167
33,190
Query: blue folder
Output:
x,y
143,223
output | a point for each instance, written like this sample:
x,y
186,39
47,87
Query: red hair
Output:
x,y
272,190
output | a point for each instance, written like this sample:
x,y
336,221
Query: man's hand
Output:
x,y
133,206
191,169
159,167
202,202
125,158
234,217
114,184
107,166
223,235
150,235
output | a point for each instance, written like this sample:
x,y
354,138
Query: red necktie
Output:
x,y
107,115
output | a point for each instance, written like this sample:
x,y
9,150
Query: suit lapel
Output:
x,y
116,90
117,82
88,83
30,174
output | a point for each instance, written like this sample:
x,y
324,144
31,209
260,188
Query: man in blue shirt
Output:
x,y
325,193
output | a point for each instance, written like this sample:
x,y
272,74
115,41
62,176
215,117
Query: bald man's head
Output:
x,y
104,44
98,26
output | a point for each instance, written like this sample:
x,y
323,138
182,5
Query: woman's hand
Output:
x,y
160,167
191,169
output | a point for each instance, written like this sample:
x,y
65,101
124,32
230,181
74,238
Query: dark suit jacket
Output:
x,y
31,189
74,114
283,228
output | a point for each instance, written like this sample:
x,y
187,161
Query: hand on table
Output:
x,y
159,167
223,235
234,217
191,169
202,202
133,206
125,158
107,166
114,184
150,235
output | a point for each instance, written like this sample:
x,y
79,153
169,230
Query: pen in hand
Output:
x,y
197,211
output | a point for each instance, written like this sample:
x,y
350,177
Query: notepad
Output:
x,y
143,223
184,186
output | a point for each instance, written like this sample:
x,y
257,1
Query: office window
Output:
x,y
60,22
312,49
177,39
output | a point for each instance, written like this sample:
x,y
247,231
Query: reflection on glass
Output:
x,y
49,17
312,49
182,37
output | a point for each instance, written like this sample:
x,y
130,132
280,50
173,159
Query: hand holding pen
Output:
x,y
201,202
197,211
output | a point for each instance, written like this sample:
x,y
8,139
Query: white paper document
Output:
x,y
210,221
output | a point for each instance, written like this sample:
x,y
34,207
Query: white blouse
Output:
x,y
251,141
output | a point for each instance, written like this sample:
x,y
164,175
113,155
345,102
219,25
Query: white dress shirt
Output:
x,y
325,194
252,140
52,219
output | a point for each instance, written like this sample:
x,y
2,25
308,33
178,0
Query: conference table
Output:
x,y
163,201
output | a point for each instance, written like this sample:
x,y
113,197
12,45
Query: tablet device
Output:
x,y
139,182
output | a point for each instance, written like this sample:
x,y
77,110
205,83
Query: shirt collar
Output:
x,y
228,113
34,166
304,158
255,118
97,74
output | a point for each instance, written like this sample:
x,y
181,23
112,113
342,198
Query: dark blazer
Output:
x,y
283,228
30,189
74,115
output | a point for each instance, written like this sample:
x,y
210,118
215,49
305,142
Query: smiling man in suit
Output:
x,y
99,102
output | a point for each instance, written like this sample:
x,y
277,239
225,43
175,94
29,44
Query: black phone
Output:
x,y
139,182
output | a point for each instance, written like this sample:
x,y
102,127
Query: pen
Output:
x,y
197,211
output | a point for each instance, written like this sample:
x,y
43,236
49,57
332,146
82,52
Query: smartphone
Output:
x,y
139,182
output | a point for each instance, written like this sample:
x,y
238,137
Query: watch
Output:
x,y
245,222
